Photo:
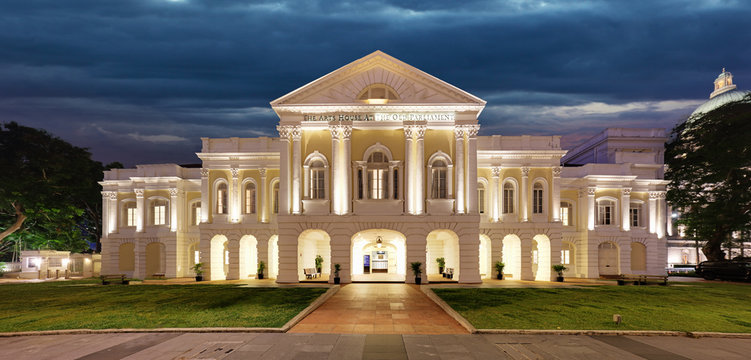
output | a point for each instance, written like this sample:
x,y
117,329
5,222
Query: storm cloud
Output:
x,y
140,81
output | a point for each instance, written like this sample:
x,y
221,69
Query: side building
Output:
x,y
379,165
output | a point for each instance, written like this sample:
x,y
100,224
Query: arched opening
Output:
x,y
194,255
248,256
379,255
155,259
127,257
442,244
608,258
310,245
638,257
568,257
541,267
272,268
486,266
219,257
512,254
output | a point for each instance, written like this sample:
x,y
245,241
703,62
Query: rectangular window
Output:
x,y
196,257
250,200
377,182
276,200
439,184
537,201
359,184
605,214
31,262
633,214
196,215
220,200
481,200
564,216
396,184
160,214
565,260
508,201
55,262
317,184
131,214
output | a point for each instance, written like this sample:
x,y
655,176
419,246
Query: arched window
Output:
x,y
537,197
158,212
638,256
250,197
129,213
317,180
508,198
378,166
635,215
275,196
195,213
439,185
221,198
567,213
605,212
481,197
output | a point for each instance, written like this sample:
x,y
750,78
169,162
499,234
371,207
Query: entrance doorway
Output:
x,y
379,255
608,259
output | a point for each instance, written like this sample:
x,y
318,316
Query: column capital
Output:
x,y
262,171
415,131
139,192
112,195
340,131
173,192
471,130
289,131
626,191
591,190
204,172
496,171
459,132
525,171
655,194
557,171
235,172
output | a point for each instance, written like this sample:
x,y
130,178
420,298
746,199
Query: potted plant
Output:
x,y
198,269
499,269
559,269
417,271
319,263
441,264
261,268
337,267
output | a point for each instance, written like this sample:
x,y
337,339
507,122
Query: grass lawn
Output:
x,y
83,304
680,307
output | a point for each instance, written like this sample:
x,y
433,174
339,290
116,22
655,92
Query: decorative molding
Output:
x,y
356,108
204,172
262,171
496,170
340,131
296,133
557,171
459,132
112,195
591,191
235,172
289,131
173,192
471,130
654,195
415,131
525,171
626,191
139,192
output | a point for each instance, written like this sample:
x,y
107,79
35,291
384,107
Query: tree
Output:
x,y
49,190
709,168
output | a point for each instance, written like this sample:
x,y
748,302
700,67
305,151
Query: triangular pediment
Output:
x,y
343,85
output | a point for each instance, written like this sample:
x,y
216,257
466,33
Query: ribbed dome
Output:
x,y
719,100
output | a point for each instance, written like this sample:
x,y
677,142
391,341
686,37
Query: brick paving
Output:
x,y
379,309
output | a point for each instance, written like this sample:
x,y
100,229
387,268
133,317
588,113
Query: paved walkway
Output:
x,y
379,309
334,346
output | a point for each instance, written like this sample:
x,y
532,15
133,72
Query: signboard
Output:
x,y
381,117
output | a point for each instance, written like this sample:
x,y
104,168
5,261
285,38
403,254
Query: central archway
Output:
x,y
512,255
310,245
442,244
248,257
379,255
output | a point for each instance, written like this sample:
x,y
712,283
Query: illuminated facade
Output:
x,y
378,165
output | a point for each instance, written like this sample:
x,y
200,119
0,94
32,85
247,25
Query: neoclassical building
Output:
x,y
378,165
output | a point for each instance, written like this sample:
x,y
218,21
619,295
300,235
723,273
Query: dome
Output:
x,y
719,100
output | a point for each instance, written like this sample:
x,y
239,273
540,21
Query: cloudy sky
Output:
x,y
140,81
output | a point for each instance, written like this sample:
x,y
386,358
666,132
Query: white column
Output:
x,y
669,220
556,194
523,195
419,160
107,213
173,209
495,200
460,189
660,214
625,206
471,183
653,195
140,215
341,198
296,200
591,207
365,182
205,195
262,200
391,181
234,199
346,170
409,173
284,134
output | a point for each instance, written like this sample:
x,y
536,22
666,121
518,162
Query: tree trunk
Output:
x,y
20,218
713,248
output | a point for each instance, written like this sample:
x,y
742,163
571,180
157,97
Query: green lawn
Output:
x,y
680,307
84,304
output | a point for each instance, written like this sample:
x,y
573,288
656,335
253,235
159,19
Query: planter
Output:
x,y
199,278
318,270
418,280
337,280
499,276
559,279
260,276
440,270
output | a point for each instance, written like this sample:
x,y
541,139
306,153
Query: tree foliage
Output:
x,y
49,191
709,168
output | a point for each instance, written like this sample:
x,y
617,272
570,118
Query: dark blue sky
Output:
x,y
140,81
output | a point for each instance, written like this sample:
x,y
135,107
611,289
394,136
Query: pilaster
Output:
x,y
460,189
625,206
296,135
591,207
523,196
556,194
205,195
140,210
264,206
495,202
471,183
173,209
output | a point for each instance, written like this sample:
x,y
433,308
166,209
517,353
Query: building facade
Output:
x,y
379,165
